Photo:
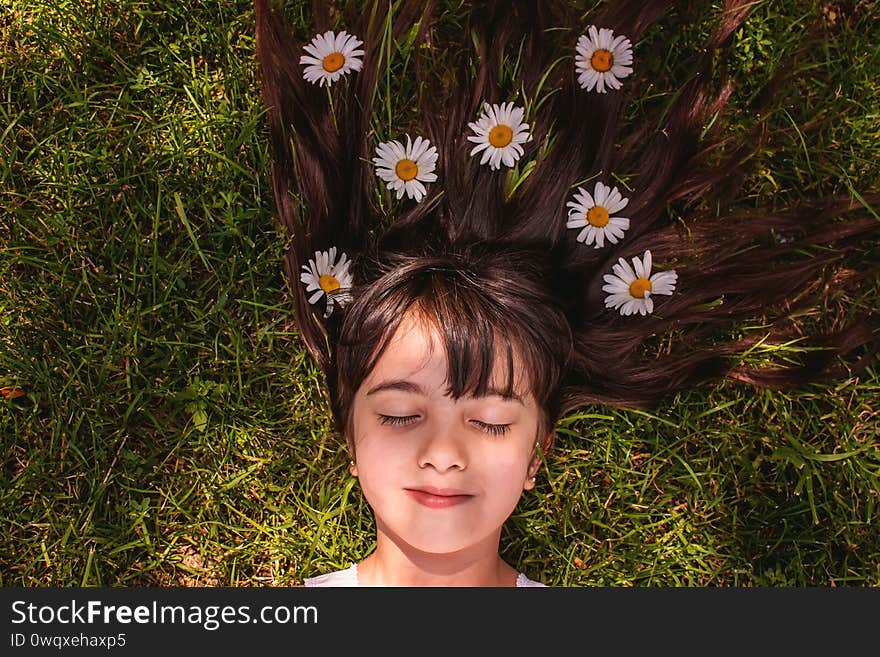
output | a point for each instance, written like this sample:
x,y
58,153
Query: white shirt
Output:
x,y
349,577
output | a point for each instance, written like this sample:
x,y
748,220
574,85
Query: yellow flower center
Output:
x,y
500,136
602,60
333,62
638,288
597,216
406,170
328,283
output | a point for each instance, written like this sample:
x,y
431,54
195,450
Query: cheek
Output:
x,y
382,473
379,459
368,446
507,472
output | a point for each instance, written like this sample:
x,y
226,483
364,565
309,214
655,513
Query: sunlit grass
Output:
x,y
173,430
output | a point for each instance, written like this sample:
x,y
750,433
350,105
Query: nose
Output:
x,y
443,447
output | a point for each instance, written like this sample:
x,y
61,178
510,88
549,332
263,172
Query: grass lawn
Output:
x,y
162,424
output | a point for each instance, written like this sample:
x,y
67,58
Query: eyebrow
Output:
x,y
415,388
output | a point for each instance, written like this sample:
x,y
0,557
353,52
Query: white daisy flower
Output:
x,y
500,133
324,275
630,288
593,214
405,168
331,56
602,59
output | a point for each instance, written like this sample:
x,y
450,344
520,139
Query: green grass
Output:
x,y
173,431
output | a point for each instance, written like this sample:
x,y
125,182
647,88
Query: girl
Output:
x,y
516,252
447,384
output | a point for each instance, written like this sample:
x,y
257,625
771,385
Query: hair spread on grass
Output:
x,y
684,172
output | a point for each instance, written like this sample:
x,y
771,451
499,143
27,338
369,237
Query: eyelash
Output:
x,y
397,419
493,429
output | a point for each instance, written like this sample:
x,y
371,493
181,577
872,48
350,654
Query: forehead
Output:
x,y
414,344
417,350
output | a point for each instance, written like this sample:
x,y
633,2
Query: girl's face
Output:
x,y
440,474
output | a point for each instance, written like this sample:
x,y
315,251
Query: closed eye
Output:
x,y
397,419
494,429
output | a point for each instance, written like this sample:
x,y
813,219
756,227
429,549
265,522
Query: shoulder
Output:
x,y
522,581
346,577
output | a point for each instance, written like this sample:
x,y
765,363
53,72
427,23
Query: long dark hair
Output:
x,y
683,171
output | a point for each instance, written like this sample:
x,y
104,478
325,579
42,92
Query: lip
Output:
x,y
438,498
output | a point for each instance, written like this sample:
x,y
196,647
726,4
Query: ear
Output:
x,y
541,449
352,458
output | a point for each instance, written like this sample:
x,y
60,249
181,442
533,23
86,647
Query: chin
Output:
x,y
439,539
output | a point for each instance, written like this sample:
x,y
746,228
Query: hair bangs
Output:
x,y
473,339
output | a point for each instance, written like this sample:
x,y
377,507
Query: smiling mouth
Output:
x,y
434,498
